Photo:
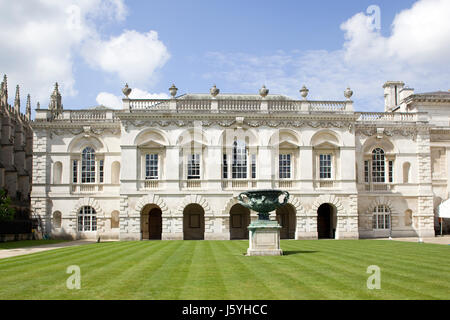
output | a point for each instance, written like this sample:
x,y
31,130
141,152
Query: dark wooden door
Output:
x,y
283,220
155,224
324,222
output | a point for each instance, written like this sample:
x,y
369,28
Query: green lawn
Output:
x,y
26,243
318,269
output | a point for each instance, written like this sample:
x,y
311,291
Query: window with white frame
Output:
x,y
224,167
381,217
100,169
284,166
378,165
239,160
87,219
193,166
75,171
379,169
88,165
151,166
325,166
253,157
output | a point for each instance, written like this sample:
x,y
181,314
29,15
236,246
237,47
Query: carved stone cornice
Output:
x,y
183,120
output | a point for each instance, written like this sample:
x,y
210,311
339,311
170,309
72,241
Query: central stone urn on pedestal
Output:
x,y
264,234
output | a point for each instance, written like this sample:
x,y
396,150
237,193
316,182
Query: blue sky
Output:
x,y
237,45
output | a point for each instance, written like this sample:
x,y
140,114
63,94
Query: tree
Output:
x,y
6,212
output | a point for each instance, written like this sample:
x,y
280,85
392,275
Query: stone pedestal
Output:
x,y
264,238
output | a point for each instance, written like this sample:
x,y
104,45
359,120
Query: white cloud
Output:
x,y
132,55
41,40
112,101
416,52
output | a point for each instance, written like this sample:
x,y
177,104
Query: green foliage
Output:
x,y
6,211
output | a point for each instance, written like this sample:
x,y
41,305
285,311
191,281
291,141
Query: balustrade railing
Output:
x,y
387,117
327,105
239,105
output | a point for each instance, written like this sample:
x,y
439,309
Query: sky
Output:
x,y
93,47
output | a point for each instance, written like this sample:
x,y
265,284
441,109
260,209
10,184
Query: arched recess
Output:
x,y
331,199
57,172
193,222
115,172
286,217
151,137
88,202
81,141
151,199
325,136
381,201
192,136
228,136
239,221
406,170
115,219
285,138
57,219
197,199
384,143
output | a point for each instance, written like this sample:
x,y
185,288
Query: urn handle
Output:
x,y
241,200
286,198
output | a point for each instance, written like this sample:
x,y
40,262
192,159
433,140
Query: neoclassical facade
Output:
x,y
16,139
173,168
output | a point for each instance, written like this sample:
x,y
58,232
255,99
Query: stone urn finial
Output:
x,y
304,92
214,91
173,90
126,90
263,91
348,93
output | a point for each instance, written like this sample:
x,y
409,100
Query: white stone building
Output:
x,y
172,169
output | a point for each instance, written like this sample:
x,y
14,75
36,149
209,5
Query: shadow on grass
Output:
x,y
290,252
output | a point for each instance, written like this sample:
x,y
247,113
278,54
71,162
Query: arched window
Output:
x,y
239,160
88,165
381,217
378,165
87,219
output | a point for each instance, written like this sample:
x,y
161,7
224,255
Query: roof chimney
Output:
x,y
392,94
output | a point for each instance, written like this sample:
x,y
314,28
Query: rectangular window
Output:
x,y
284,164
325,166
253,166
193,166
224,167
239,162
75,171
151,166
391,171
100,170
366,171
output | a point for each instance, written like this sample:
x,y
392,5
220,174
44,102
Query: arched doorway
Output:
x,y
326,221
239,221
287,221
193,222
151,222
